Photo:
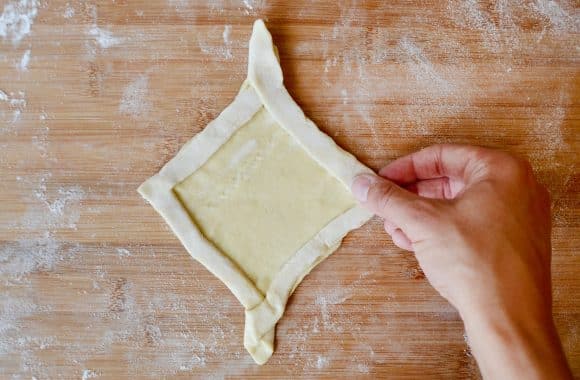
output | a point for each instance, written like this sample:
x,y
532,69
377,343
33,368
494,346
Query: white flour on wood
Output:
x,y
24,61
104,38
214,48
14,103
69,11
134,102
17,19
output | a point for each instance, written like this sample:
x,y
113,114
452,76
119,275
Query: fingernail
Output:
x,y
361,186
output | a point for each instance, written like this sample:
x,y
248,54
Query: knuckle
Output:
x,y
425,210
384,199
514,167
512,164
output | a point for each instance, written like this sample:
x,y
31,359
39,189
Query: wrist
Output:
x,y
515,346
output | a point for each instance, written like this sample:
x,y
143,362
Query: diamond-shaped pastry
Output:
x,y
260,196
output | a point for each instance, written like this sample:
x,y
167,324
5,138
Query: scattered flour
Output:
x,y
227,42
16,103
123,252
36,248
423,70
12,310
558,15
469,14
438,89
546,132
362,367
17,339
51,210
69,11
548,128
17,100
501,28
345,49
24,61
134,102
104,38
89,374
226,34
28,255
322,362
179,5
209,46
32,253
253,6
17,19
327,298
41,143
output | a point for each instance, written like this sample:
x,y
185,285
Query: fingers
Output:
x,y
386,199
399,238
390,227
453,161
438,188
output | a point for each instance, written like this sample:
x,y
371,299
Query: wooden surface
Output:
x,y
94,285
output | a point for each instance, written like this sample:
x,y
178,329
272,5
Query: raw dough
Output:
x,y
260,196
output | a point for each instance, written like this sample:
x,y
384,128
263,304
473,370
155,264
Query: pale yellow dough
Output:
x,y
260,196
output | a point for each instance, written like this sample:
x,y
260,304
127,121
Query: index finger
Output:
x,y
436,161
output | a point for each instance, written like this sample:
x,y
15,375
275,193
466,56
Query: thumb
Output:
x,y
389,201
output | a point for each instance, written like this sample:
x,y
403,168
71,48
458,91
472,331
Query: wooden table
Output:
x,y
98,95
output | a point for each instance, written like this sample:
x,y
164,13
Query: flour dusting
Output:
x,y
345,49
69,11
28,255
322,362
423,70
16,104
65,196
558,15
546,131
24,61
212,48
250,7
89,374
12,310
437,89
469,14
325,299
55,209
123,252
227,42
179,5
501,28
134,102
17,19
104,38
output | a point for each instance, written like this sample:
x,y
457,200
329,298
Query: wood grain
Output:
x,y
94,284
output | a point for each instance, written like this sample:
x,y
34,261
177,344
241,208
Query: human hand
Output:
x,y
479,224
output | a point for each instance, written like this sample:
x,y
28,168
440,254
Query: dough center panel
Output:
x,y
261,197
